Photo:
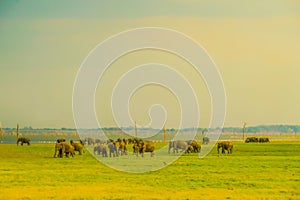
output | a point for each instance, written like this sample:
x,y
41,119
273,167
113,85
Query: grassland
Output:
x,y
253,171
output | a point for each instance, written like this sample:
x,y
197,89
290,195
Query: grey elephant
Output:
x,y
77,146
141,147
178,145
102,148
121,147
193,146
63,148
112,149
226,146
263,140
23,140
205,140
251,139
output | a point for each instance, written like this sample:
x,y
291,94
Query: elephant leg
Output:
x,y
60,153
64,151
117,154
57,153
57,150
54,156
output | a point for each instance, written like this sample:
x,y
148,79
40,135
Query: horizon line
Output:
x,y
131,127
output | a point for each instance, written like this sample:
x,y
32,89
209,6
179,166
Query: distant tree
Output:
x,y
244,129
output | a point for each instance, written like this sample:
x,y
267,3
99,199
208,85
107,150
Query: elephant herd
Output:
x,y
255,139
117,148
190,146
111,148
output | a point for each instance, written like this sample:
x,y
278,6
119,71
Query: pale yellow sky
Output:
x,y
256,49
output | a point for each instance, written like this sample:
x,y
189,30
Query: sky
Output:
x,y
255,45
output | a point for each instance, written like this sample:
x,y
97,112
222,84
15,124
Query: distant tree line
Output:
x,y
250,129
265,128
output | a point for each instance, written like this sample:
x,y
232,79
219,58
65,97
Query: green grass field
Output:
x,y
253,171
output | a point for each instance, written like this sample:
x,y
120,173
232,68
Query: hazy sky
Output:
x,y
255,45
